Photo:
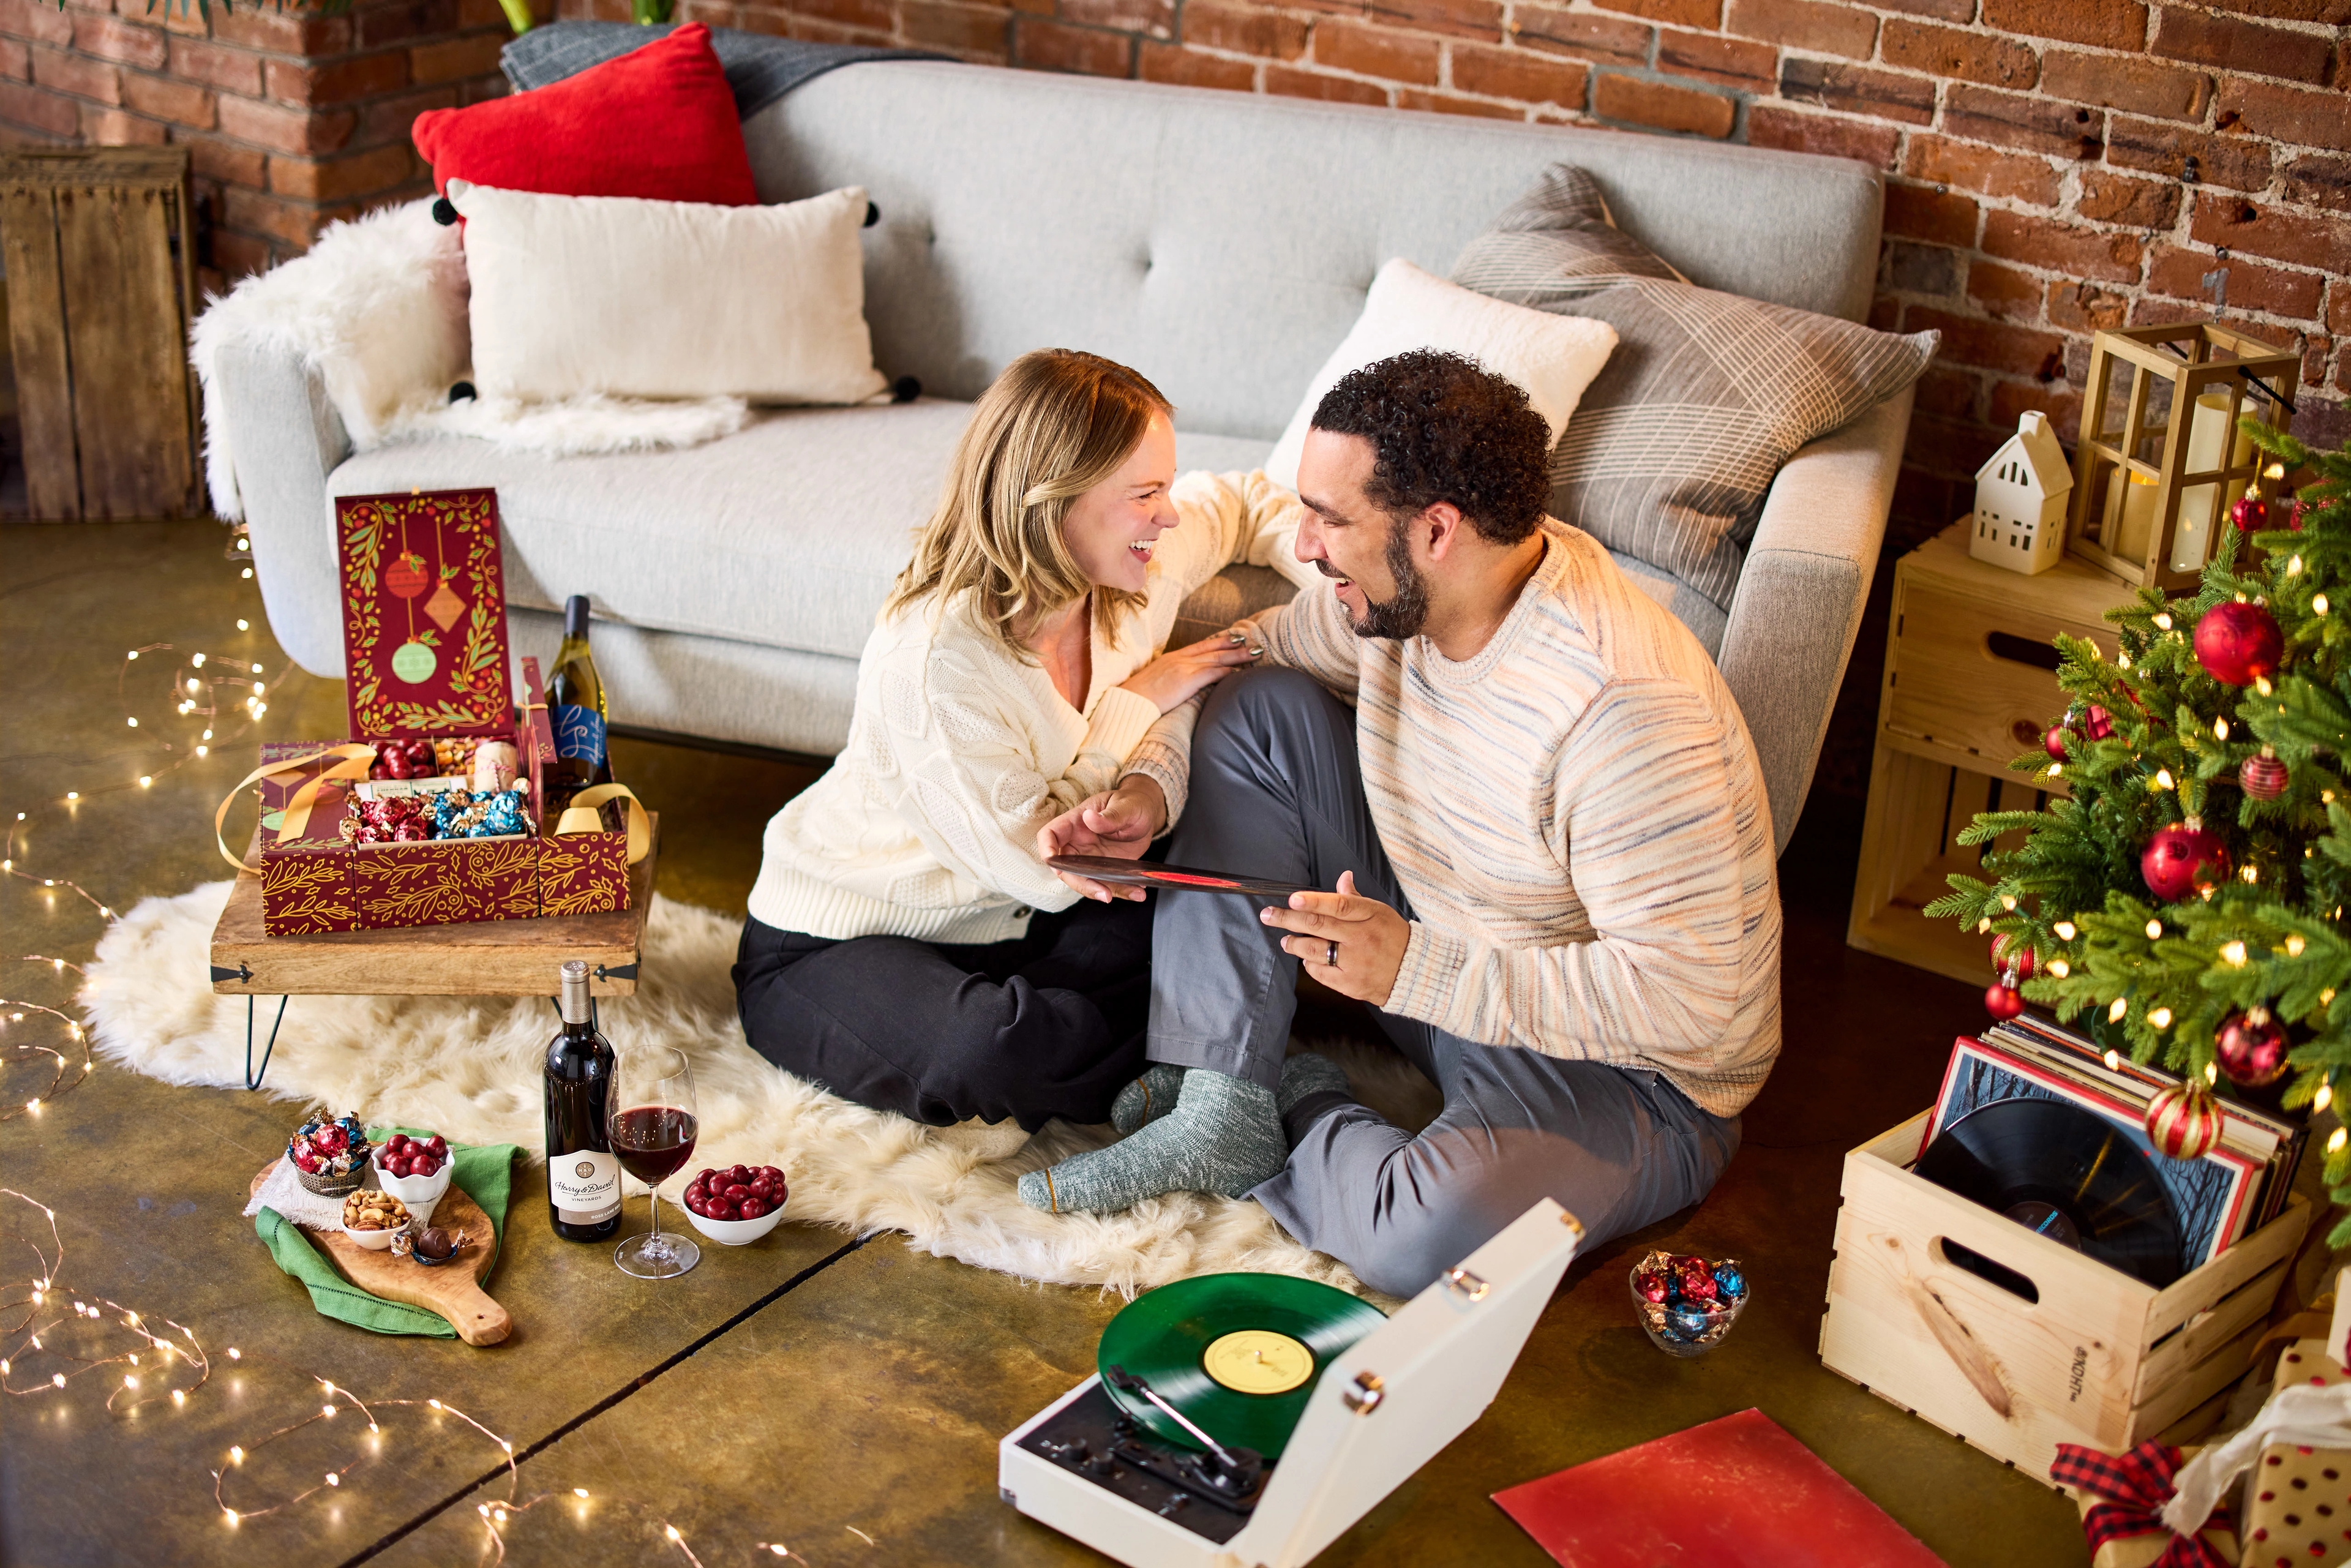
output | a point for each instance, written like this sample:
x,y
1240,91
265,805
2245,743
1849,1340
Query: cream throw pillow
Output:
x,y
667,300
1553,357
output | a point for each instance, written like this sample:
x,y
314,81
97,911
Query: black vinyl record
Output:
x,y
2066,1173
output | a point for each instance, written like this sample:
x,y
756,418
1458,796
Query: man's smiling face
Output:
x,y
1366,553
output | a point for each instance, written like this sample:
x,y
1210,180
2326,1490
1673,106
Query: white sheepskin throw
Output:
x,y
469,1068
377,309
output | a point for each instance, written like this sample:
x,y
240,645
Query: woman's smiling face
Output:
x,y
1113,528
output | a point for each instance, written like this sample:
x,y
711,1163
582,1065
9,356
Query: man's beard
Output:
x,y
1401,613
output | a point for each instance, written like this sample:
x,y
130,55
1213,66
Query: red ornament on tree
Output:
x,y
2252,1047
2183,1120
2294,516
2053,741
405,576
2182,858
2251,514
2264,777
2003,1002
2011,958
2239,644
2093,723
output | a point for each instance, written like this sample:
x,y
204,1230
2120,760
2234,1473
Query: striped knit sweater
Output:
x,y
1577,818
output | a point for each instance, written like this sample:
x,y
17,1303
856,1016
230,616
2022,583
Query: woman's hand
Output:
x,y
1120,823
1179,675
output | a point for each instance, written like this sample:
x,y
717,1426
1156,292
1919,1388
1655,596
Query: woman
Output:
x,y
906,947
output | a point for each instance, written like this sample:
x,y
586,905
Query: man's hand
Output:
x,y
1121,822
1363,934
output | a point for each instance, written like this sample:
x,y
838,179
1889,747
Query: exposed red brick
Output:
x,y
172,15
112,128
240,255
1854,89
2138,86
2229,161
481,90
62,72
871,15
2062,403
2037,125
2274,290
2315,179
1587,37
1730,61
1189,68
285,130
1929,269
183,103
281,32
1152,18
2289,114
1917,212
2004,292
1446,103
2054,246
1517,74
37,111
15,60
1885,314
38,21
1947,390
1951,52
955,27
2110,198
397,23
1681,13
1480,19
212,159
1662,105
1244,31
2111,24
340,179
1376,52
1769,125
293,224
120,42
1291,83
388,120
2084,307
1806,25
454,60
2338,305
2017,176
337,81
2240,224
2230,44
231,70
1993,345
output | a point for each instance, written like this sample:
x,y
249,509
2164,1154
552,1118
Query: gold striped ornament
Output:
x,y
2184,1120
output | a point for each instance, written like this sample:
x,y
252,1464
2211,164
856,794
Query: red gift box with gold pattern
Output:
x,y
424,642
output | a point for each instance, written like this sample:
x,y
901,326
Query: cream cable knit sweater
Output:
x,y
959,751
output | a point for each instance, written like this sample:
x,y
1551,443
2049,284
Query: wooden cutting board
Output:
x,y
453,1289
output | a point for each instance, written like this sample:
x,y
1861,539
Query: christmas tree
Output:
x,y
2187,901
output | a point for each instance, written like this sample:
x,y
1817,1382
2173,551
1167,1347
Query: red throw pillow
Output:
x,y
657,122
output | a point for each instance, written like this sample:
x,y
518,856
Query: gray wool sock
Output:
x,y
1224,1136
1148,1098
1308,1073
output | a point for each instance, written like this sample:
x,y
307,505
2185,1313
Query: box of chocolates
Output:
x,y
432,813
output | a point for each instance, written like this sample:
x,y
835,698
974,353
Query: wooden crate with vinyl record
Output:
x,y
1969,684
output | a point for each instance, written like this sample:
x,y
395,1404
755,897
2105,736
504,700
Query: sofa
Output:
x,y
1220,242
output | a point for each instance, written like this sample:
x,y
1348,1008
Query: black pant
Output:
x,y
1049,1024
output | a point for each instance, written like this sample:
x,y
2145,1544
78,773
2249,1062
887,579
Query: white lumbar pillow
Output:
x,y
1553,358
667,300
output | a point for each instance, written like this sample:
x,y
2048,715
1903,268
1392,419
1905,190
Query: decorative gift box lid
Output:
x,y
424,615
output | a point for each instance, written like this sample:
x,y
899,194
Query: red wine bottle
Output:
x,y
583,1176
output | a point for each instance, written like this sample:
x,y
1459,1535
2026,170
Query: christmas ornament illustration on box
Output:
x,y
2021,493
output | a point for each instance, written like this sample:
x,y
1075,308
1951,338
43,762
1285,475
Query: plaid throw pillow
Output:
x,y
1673,446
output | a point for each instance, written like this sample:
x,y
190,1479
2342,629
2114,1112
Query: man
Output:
x,y
1550,846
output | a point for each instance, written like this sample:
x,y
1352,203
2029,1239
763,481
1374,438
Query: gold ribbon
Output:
x,y
582,816
354,761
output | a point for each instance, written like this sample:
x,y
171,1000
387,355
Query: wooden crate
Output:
x,y
2091,1355
1969,684
99,247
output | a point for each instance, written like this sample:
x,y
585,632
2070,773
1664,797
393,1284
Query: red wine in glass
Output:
x,y
653,1143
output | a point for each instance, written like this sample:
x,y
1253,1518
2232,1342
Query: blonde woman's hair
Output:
x,y
1056,424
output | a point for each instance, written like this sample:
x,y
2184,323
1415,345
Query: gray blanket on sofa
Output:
x,y
760,69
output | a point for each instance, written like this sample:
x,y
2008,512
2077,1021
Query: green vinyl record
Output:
x,y
1238,1353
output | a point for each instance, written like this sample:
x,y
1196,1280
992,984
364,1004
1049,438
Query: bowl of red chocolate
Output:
x,y
738,1205
414,1170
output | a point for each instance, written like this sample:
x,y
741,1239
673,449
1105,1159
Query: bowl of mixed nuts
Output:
x,y
372,1218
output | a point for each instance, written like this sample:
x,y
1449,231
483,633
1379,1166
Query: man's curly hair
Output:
x,y
1444,429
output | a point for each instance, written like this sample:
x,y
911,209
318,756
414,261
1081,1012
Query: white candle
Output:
x,y
2208,441
2130,514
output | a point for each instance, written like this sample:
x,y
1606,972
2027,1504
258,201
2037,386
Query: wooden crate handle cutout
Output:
x,y
1967,1352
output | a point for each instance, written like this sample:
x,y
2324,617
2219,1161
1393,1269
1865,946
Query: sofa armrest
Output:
x,y
1800,596
285,438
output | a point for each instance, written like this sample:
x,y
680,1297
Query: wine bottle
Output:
x,y
577,711
583,1174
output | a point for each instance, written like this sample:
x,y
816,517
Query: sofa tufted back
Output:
x,y
1221,243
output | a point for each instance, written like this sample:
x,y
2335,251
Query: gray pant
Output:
x,y
1277,792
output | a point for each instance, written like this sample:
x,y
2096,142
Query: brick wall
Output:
x,y
292,118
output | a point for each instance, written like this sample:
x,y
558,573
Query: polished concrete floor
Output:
x,y
835,1400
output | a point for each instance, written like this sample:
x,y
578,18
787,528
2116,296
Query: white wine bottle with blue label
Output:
x,y
577,712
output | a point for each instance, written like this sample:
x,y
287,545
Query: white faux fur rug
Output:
x,y
469,1068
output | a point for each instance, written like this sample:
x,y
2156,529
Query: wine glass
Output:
x,y
653,1127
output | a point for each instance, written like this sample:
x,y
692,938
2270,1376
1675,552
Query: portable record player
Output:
x,y
1241,1429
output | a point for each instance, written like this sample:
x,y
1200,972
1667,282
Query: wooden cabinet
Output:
x,y
1970,683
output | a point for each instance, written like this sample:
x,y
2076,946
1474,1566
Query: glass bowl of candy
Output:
x,y
1687,1303
329,1158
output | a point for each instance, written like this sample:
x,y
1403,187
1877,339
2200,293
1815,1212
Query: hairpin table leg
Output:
x,y
252,1077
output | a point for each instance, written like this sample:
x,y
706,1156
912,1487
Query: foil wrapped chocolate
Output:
x,y
464,814
404,819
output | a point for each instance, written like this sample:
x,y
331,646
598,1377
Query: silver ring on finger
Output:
x,y
1330,955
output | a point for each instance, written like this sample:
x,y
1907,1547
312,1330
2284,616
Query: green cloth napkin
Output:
x,y
486,1171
